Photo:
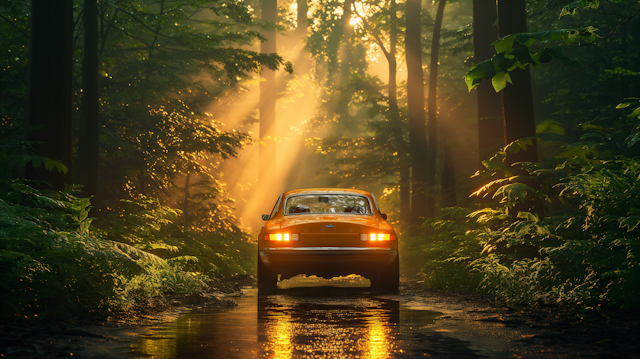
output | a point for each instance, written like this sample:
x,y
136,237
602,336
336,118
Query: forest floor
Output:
x,y
533,332
549,331
101,336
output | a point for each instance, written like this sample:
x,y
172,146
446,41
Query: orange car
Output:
x,y
327,233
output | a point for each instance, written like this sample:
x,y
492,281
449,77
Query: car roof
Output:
x,y
327,190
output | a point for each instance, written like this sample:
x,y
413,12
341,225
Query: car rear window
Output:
x,y
327,203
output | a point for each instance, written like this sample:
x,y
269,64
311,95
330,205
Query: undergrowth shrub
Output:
x,y
52,266
584,252
444,248
148,225
521,281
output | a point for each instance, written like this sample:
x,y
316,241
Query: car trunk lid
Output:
x,y
329,230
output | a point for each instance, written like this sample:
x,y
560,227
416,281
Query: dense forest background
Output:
x,y
140,141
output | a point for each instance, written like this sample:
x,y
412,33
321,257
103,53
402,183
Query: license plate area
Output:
x,y
330,239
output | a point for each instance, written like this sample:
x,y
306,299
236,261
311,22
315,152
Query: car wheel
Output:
x,y
388,280
267,280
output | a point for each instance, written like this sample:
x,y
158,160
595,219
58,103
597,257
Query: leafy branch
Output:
x,y
513,51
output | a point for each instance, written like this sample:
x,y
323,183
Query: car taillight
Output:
x,y
282,237
377,237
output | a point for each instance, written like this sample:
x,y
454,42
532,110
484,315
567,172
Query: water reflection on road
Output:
x,y
319,321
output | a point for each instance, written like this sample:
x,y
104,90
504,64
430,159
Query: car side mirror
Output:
x,y
265,217
384,216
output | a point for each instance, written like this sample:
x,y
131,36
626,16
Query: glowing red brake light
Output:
x,y
282,237
377,237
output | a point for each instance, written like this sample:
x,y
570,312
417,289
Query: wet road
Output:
x,y
316,318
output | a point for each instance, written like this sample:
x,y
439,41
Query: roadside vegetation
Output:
x,y
576,242
564,229
156,219
55,264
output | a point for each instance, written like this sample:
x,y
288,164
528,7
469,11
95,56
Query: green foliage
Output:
x,y
375,155
214,248
513,51
53,267
445,248
16,153
585,252
160,63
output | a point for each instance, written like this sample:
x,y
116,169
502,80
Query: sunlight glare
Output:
x,y
378,343
279,337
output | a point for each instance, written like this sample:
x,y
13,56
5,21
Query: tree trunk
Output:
x,y
267,151
416,115
490,121
394,113
338,48
449,193
345,52
187,196
50,93
301,28
88,146
517,101
433,111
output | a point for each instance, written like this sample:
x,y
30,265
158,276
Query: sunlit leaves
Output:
x,y
499,81
572,7
363,158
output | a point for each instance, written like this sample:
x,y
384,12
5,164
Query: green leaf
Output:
x,y
483,70
543,57
550,126
36,161
504,44
48,164
630,222
624,105
633,138
513,191
499,81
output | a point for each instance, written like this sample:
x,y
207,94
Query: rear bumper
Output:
x,y
327,261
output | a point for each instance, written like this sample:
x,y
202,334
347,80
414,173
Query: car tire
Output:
x,y
267,280
388,280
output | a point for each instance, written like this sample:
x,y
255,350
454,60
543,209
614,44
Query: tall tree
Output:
x,y
88,146
301,28
404,170
517,98
267,176
449,192
394,111
416,114
432,106
490,121
50,87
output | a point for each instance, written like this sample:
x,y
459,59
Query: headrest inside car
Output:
x,y
299,209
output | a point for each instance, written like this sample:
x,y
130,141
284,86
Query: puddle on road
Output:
x,y
321,319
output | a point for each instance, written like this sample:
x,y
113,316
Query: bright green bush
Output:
x,y
585,252
203,247
52,266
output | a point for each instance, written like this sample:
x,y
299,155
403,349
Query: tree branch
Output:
x,y
373,32
622,23
17,28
